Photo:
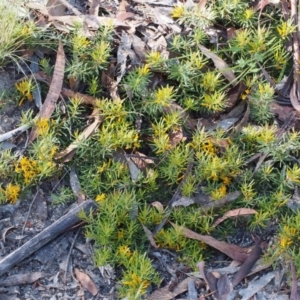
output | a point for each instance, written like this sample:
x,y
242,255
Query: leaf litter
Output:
x,y
132,48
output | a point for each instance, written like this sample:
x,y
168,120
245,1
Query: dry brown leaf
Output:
x,y
294,98
123,6
263,3
246,267
243,122
209,278
224,287
23,278
55,8
233,95
221,143
233,251
158,206
218,284
109,83
235,213
61,27
5,231
150,237
48,106
83,136
281,111
202,4
85,99
125,15
220,64
139,47
294,289
93,22
124,12
141,160
94,7
165,294
175,137
86,282
39,7
231,33
135,172
124,50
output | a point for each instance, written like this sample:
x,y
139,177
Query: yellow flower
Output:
x,y
104,167
245,94
53,151
137,283
178,11
219,193
214,176
28,167
11,192
285,242
100,197
28,29
42,125
124,251
226,180
208,147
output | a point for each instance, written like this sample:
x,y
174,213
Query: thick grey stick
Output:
x,y
48,234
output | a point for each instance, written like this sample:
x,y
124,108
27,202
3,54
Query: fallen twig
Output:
x,y
47,235
14,132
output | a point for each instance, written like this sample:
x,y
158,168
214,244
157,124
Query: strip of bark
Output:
x,y
44,237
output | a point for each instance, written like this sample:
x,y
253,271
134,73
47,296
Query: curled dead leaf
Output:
x,y
233,251
86,282
235,213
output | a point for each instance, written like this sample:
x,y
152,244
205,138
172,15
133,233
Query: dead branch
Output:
x,y
44,237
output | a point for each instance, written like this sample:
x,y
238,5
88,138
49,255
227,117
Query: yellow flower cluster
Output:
x,y
42,125
11,192
137,283
100,198
286,238
28,29
208,147
28,167
219,193
124,251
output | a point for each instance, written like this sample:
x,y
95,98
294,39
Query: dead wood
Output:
x,y
44,237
